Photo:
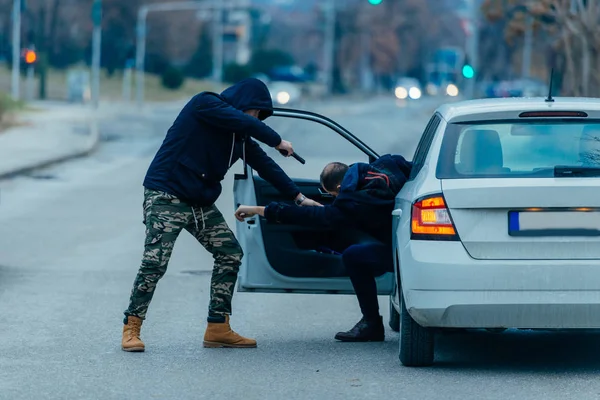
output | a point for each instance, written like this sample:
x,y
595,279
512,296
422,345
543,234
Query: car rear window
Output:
x,y
517,149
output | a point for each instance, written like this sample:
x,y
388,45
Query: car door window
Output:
x,y
424,145
316,143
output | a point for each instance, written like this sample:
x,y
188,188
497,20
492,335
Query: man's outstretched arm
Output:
x,y
318,217
270,171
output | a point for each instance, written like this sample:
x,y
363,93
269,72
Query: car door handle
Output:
x,y
324,193
397,212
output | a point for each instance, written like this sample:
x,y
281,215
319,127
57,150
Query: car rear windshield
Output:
x,y
518,149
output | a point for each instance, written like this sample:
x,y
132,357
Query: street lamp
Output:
x,y
329,47
16,46
96,48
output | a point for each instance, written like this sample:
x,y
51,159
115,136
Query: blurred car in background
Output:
x,y
444,89
507,89
526,87
451,90
408,88
532,87
291,73
284,93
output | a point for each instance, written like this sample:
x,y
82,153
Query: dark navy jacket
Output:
x,y
365,201
208,136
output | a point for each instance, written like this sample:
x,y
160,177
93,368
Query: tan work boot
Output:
x,y
131,335
221,335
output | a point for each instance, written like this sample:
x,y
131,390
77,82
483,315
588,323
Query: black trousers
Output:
x,y
364,258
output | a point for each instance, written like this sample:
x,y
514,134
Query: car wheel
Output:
x,y
416,342
394,321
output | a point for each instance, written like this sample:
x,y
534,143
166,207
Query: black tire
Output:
x,y
416,342
394,321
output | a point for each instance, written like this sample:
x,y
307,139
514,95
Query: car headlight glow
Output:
x,y
452,90
414,93
283,97
401,93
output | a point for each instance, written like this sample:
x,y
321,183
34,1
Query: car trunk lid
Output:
x,y
532,219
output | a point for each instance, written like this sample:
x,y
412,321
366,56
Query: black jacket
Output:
x,y
365,202
208,136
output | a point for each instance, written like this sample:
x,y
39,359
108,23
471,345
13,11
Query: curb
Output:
x,y
89,149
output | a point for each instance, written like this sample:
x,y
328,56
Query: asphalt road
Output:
x,y
70,244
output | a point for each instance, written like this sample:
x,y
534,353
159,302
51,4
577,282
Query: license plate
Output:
x,y
554,223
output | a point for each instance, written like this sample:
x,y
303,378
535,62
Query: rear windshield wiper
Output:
x,y
576,171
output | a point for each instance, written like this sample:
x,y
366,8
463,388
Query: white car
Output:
x,y
497,227
500,222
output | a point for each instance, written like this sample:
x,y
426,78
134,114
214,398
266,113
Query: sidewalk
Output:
x,y
52,132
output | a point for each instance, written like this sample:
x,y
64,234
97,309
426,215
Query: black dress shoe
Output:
x,y
364,331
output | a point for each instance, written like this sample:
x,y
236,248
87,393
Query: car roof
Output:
x,y
510,108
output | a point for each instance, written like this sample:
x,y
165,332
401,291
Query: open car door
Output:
x,y
283,258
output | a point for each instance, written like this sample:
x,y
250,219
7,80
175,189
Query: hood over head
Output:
x,y
250,94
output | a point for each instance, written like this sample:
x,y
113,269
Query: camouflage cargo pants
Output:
x,y
165,216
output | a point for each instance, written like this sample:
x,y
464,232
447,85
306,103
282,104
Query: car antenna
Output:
x,y
550,99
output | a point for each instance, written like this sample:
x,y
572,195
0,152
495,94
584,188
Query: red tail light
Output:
x,y
431,220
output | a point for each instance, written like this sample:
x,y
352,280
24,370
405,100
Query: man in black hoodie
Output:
x,y
364,200
183,182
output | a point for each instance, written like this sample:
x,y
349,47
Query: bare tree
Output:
x,y
571,29
402,35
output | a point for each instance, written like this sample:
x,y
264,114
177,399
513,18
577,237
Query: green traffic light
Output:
x,y
468,71
375,2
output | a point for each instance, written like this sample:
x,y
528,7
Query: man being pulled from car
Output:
x,y
364,200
